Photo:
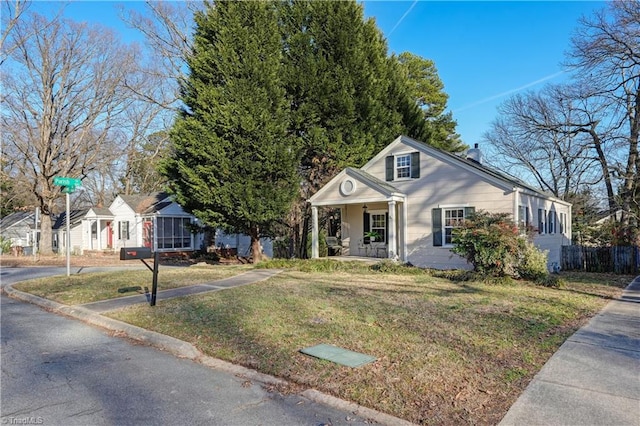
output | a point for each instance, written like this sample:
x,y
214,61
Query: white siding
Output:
x,y
440,183
444,182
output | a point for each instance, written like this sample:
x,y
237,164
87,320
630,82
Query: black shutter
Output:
x,y
415,164
436,220
386,228
468,211
367,227
389,168
540,222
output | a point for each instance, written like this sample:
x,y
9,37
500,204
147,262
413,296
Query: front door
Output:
x,y
147,234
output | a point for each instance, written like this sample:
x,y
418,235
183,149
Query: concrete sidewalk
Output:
x,y
594,378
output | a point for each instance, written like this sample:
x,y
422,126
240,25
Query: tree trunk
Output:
x,y
46,246
256,247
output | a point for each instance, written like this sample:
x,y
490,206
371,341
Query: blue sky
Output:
x,y
484,51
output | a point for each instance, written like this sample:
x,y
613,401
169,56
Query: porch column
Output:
x,y
392,250
98,235
314,233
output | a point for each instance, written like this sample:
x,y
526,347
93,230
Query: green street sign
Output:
x,y
66,181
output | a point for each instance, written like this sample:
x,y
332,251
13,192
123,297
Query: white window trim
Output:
x,y
384,215
444,227
542,230
158,236
395,167
524,207
123,231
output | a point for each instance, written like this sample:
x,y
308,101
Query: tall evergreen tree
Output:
x,y
427,90
348,98
234,162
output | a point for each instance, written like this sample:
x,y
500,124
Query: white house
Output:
x,y
18,227
413,195
153,220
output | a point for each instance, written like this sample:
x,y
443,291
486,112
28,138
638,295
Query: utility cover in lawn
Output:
x,y
338,355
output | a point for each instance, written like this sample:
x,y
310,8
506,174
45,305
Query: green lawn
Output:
x,y
85,288
449,351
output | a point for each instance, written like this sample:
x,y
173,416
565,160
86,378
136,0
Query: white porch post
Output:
x,y
392,250
314,233
98,234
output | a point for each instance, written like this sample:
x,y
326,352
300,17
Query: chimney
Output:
x,y
474,154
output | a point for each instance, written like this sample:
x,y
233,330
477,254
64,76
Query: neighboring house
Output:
x,y
18,227
59,231
608,216
413,196
152,220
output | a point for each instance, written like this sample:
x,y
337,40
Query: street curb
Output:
x,y
182,349
357,410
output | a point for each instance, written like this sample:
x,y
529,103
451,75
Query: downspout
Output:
x,y
405,217
516,193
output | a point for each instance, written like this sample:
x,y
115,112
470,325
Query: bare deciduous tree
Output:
x,y
167,28
10,13
585,133
536,135
606,56
64,85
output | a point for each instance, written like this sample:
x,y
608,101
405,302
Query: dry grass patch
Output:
x,y
85,288
448,352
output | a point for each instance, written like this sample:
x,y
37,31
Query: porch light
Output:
x,y
364,208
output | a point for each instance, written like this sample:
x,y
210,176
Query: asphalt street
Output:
x,y
60,371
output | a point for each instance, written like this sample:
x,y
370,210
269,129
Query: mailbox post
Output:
x,y
142,253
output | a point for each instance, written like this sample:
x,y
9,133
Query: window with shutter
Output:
x,y
445,220
402,166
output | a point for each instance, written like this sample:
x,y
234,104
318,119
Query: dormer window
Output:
x,y
403,166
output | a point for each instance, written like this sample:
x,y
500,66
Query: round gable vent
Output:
x,y
348,186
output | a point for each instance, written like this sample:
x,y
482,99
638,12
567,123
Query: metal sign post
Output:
x,y
68,244
68,186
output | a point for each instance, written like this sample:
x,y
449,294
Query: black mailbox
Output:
x,y
128,253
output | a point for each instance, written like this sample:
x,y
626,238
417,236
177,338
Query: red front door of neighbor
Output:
x,y
109,235
147,234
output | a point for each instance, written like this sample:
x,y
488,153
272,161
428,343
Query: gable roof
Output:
x,y
385,189
498,178
101,211
15,218
380,185
75,215
146,204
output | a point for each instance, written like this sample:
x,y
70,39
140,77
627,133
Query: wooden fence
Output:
x,y
617,259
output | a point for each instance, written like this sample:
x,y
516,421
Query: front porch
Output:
x,y
373,216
